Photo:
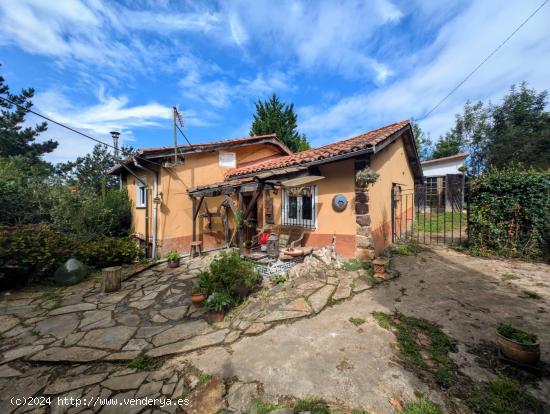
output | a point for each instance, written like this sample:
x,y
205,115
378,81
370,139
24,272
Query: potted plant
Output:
x,y
173,258
197,296
365,177
519,346
218,303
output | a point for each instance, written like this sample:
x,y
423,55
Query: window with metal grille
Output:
x,y
299,205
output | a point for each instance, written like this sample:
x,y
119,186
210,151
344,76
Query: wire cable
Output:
x,y
485,60
72,129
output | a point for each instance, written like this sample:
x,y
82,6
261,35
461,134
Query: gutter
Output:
x,y
155,209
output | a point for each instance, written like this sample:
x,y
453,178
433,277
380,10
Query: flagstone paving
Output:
x,y
81,337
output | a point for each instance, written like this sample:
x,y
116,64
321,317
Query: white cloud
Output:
x,y
459,46
97,120
332,36
205,82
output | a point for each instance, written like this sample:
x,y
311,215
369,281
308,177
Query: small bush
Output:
x,y
231,275
108,251
32,253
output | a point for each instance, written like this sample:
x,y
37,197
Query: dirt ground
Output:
x,y
329,357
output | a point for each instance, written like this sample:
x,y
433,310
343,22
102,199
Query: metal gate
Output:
x,y
434,212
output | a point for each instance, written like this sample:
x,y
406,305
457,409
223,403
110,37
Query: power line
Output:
x,y
71,129
485,60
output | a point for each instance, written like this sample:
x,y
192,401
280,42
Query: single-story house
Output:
x,y
223,192
442,174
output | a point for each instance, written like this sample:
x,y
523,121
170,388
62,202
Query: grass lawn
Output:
x,y
439,222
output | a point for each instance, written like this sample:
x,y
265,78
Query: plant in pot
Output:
x,y
365,177
173,258
197,295
519,346
218,303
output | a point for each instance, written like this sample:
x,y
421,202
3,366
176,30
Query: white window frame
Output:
x,y
300,222
141,193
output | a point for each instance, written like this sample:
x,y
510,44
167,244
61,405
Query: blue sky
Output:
x,y
348,66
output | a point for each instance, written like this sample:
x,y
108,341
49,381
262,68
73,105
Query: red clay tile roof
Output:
x,y
450,157
205,146
346,146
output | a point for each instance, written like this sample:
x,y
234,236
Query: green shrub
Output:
x,y
509,210
89,216
31,253
108,251
231,275
24,196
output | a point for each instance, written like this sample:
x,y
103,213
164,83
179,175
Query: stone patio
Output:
x,y
67,341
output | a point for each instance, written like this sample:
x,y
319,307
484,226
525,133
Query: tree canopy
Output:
x,y
515,131
15,138
423,143
274,116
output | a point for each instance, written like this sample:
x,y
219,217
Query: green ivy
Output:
x,y
509,211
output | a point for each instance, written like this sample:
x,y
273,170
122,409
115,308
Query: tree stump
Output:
x,y
112,278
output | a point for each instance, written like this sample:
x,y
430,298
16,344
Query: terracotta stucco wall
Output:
x,y
175,210
339,179
392,165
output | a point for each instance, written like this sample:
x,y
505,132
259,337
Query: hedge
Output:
x,y
32,253
510,213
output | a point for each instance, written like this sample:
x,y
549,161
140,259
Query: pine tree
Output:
x,y
15,139
91,172
274,116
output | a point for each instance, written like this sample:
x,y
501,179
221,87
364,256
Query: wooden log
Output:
x,y
112,278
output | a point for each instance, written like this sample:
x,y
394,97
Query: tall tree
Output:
x,y
274,116
517,130
423,143
90,172
520,130
15,139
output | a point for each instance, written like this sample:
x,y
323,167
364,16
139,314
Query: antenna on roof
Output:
x,y
116,136
176,116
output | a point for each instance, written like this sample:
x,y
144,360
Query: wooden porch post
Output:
x,y
196,208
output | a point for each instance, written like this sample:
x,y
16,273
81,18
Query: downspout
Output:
x,y
155,205
146,185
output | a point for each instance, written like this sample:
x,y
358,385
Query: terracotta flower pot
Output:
x,y
525,354
174,263
216,316
198,299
